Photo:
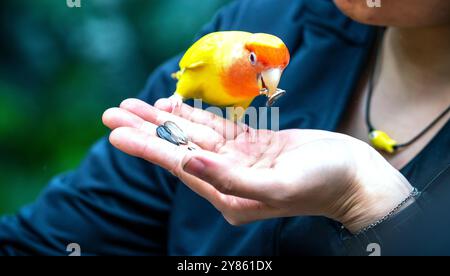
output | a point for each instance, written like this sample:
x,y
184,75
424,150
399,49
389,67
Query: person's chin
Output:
x,y
360,12
394,13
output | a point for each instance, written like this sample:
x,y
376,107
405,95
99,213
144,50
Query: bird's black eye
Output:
x,y
252,58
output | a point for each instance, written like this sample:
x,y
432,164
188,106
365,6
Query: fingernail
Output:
x,y
194,166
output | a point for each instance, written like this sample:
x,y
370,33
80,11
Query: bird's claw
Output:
x,y
176,102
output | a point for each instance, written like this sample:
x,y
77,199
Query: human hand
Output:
x,y
250,174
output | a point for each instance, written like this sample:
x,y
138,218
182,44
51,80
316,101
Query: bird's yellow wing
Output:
x,y
203,64
198,55
204,50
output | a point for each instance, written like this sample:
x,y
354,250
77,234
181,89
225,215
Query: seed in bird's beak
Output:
x,y
270,80
272,99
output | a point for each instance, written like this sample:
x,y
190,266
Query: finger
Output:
x,y
117,117
144,145
226,128
201,135
256,184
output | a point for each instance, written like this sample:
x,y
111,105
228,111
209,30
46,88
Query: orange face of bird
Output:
x,y
258,67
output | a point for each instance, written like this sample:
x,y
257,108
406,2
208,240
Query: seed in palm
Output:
x,y
170,132
177,133
165,134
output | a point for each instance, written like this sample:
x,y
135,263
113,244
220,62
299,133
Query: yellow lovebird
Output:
x,y
230,69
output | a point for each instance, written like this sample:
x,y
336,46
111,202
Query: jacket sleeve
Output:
x,y
421,229
112,204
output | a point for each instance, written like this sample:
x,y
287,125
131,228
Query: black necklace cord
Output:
x,y
425,130
369,99
369,124
377,53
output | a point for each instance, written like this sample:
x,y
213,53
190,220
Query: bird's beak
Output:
x,y
269,81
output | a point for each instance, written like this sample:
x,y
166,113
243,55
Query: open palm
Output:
x,y
246,174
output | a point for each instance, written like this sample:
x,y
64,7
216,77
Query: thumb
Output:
x,y
231,179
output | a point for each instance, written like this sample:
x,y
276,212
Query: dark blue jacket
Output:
x,y
117,204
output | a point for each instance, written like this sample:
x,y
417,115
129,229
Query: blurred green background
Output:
x,y
60,68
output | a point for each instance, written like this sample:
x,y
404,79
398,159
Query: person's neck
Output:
x,y
420,57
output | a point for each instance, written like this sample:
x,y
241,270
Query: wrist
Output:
x,y
379,189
